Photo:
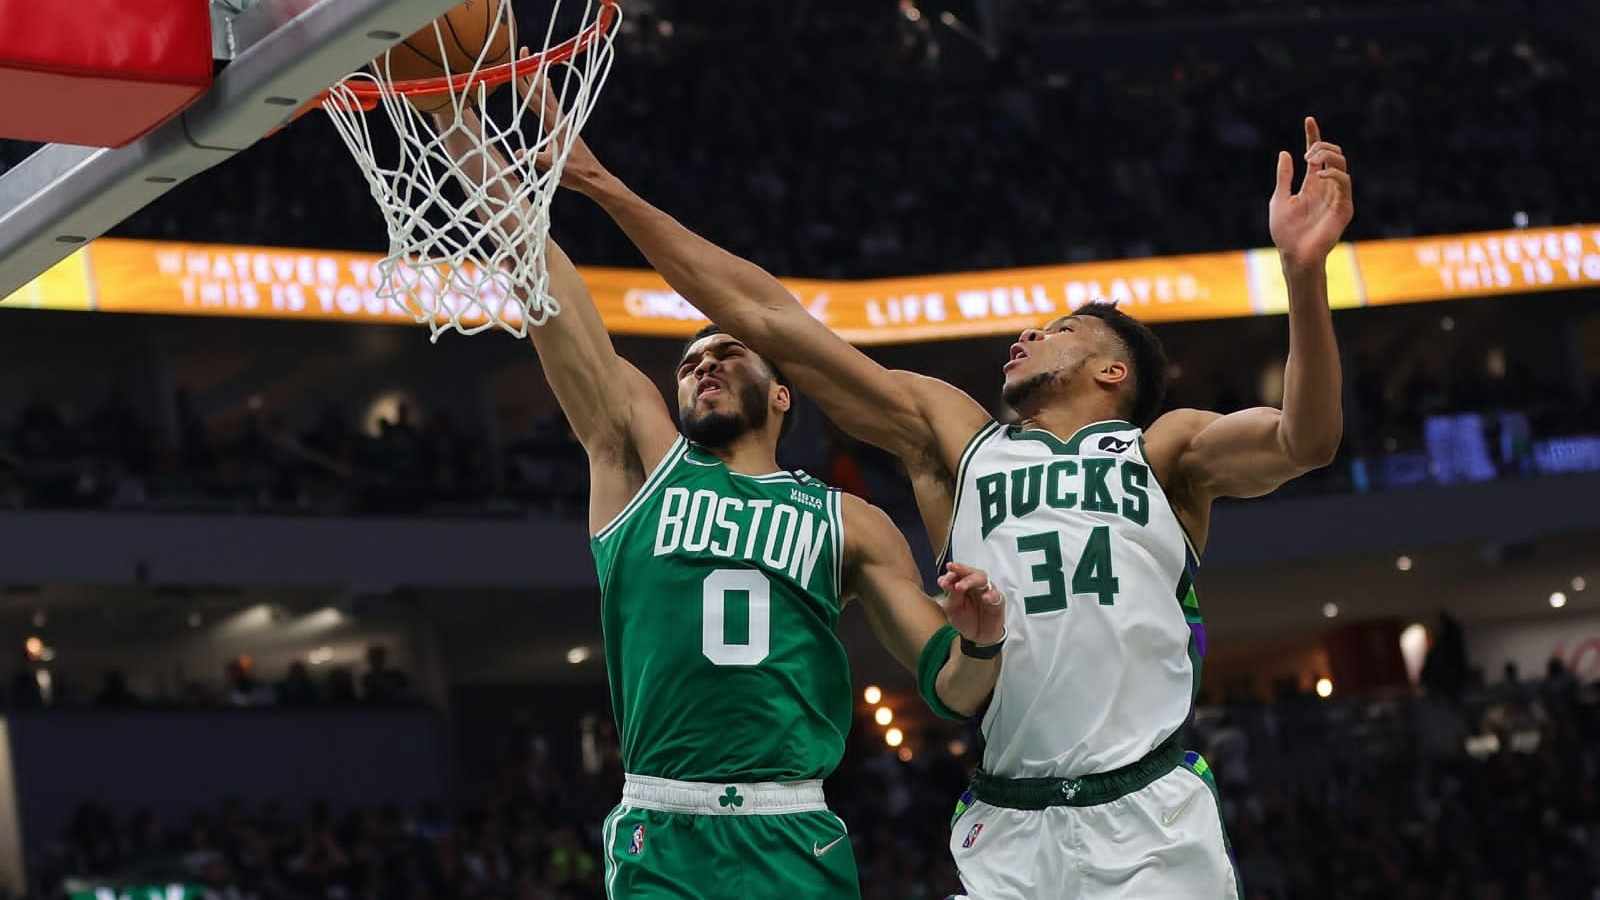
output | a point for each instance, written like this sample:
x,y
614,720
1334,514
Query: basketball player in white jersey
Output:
x,y
1090,515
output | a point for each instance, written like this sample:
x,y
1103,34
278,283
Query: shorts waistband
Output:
x,y
1089,790
765,798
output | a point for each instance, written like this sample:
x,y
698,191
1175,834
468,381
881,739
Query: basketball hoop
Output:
x,y
462,257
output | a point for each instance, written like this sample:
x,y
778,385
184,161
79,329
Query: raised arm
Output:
x,y
908,415
615,411
880,572
1252,452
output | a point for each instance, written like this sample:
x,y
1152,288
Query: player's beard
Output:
x,y
1025,394
719,429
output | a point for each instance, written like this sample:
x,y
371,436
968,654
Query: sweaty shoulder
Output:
x,y
1165,443
952,417
864,523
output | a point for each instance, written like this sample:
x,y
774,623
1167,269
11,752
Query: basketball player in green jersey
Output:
x,y
1089,515
722,579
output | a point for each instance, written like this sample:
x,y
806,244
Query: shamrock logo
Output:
x,y
730,797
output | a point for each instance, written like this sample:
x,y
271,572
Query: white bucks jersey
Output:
x,y
1103,659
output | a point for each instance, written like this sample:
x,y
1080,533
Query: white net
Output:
x,y
466,251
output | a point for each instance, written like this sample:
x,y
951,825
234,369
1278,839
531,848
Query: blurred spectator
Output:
x,y
297,688
114,691
25,690
382,684
242,687
341,687
1444,671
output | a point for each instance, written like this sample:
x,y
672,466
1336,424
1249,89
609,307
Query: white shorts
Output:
x,y
1163,841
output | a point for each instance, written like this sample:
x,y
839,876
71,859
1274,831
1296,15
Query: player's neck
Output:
x,y
1064,418
751,453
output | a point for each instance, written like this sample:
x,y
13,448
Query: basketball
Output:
x,y
453,47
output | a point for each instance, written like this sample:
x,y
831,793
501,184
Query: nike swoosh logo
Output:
x,y
819,850
1171,817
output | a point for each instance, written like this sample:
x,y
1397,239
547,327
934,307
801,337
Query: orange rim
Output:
x,y
367,95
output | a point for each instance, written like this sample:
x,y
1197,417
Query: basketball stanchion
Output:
x,y
460,258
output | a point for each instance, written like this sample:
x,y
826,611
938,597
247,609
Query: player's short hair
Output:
x,y
777,374
1149,360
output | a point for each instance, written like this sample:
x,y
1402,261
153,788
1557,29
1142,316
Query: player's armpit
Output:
x,y
622,457
950,417
881,573
615,411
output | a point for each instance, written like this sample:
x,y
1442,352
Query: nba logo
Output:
x,y
636,846
972,836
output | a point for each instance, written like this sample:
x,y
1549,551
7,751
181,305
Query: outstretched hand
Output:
x,y
972,604
1307,225
582,169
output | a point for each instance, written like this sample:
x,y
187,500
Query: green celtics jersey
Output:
x,y
719,599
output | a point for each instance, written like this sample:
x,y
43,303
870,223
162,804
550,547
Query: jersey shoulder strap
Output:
x,y
601,544
974,445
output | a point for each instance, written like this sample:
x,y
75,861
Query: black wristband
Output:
x,y
985,651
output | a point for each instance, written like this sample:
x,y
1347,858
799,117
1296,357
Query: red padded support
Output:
x,y
99,72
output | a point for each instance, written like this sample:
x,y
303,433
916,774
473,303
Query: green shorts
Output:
x,y
696,841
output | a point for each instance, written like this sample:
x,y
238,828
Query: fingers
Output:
x,y
958,570
954,582
1341,180
1327,156
536,84
960,573
1285,175
974,583
1313,132
525,81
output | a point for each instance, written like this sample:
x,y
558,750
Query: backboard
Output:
x,y
281,53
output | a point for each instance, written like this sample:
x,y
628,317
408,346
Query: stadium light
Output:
x,y
883,716
872,695
905,754
1558,600
894,737
1414,650
957,747
324,619
1324,688
1578,583
578,655
247,621
1330,610
1403,563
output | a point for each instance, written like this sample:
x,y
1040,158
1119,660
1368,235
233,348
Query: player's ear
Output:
x,y
1112,372
782,399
